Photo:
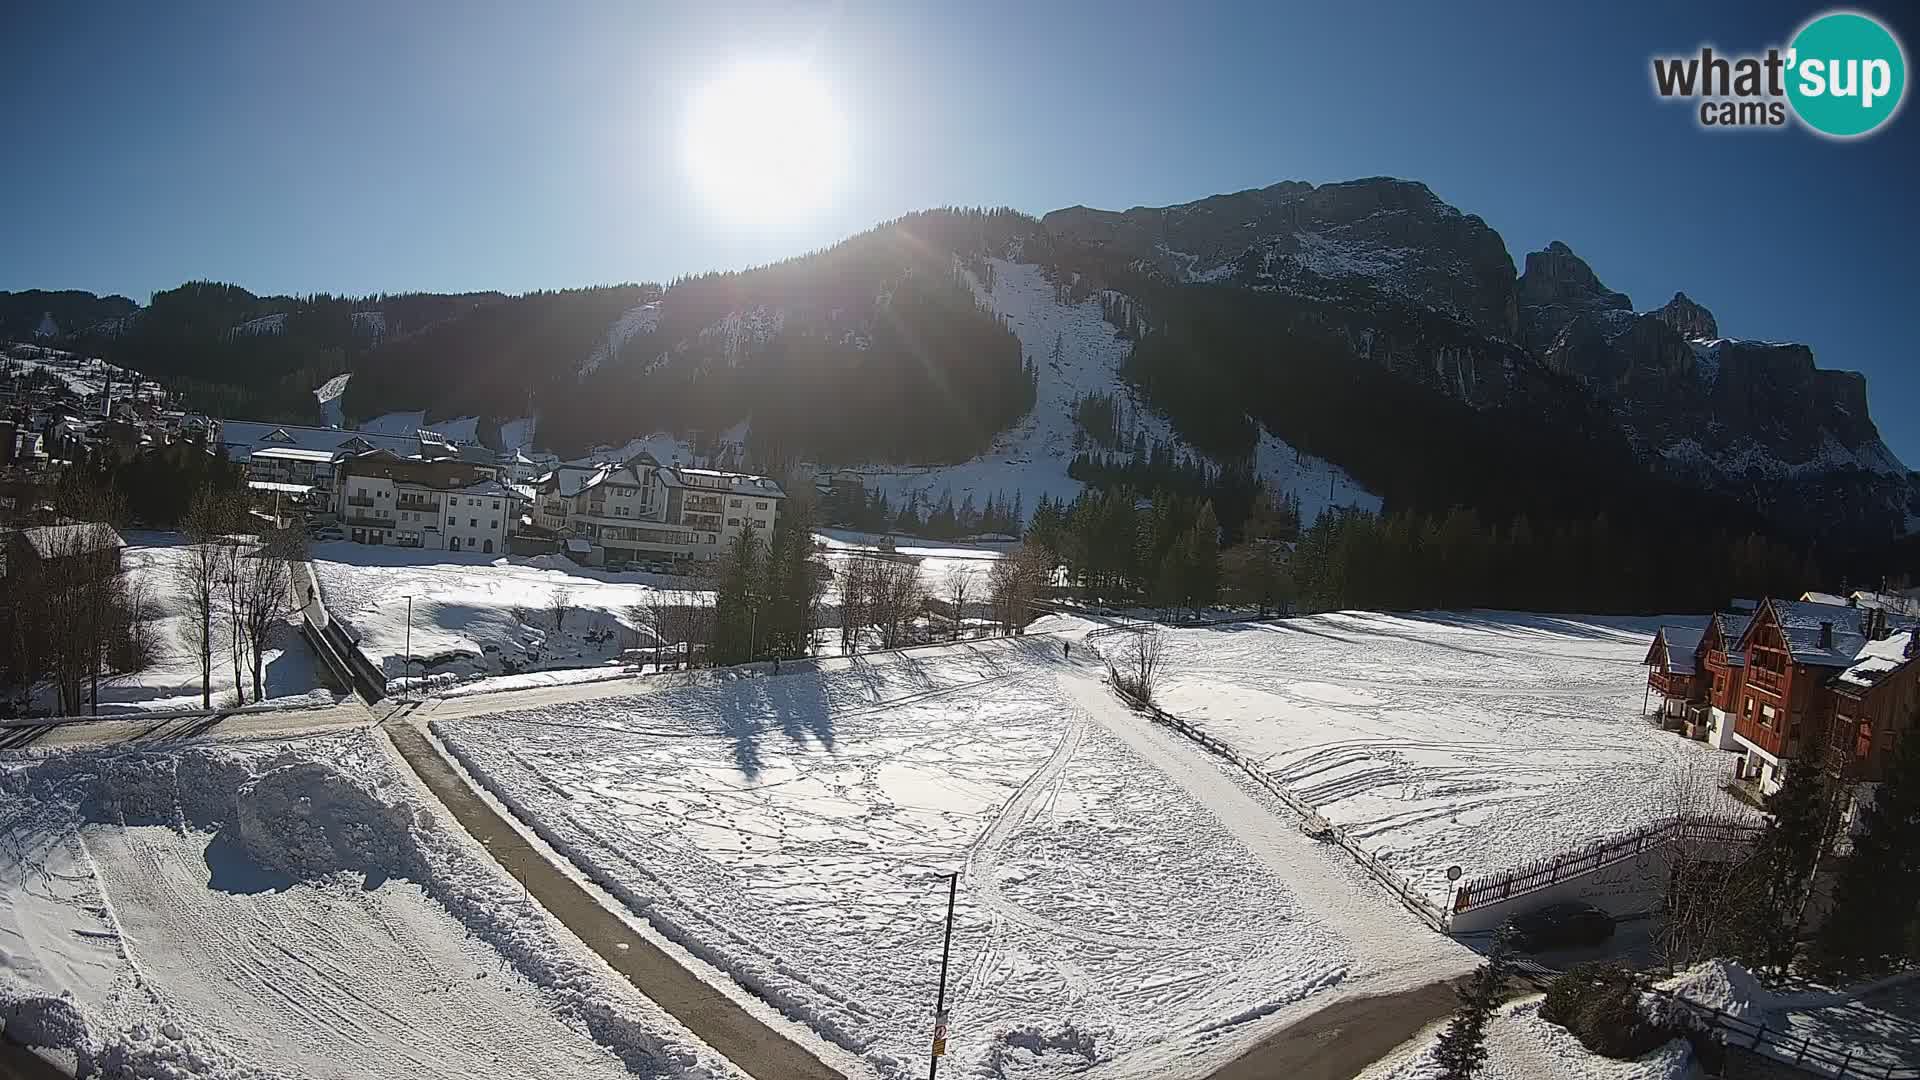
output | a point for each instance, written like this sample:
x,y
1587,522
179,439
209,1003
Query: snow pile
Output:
x,y
292,910
1723,985
307,820
1032,1051
1485,740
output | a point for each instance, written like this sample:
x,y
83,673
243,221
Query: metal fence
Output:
x,y
1803,1053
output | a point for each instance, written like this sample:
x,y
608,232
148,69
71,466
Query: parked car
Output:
x,y
1561,926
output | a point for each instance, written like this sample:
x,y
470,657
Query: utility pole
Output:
x,y
940,1008
409,668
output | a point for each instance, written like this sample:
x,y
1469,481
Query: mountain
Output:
x,y
1354,344
38,314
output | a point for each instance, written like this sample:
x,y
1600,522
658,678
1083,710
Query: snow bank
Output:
x,y
325,817
1723,985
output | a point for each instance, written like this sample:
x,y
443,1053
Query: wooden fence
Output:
x,y
1542,873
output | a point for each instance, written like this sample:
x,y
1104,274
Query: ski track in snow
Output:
x,y
1484,740
142,883
1123,901
1032,457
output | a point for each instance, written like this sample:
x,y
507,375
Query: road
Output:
x,y
134,729
718,1020
1340,1040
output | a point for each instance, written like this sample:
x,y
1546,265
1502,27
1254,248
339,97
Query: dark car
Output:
x,y
1561,926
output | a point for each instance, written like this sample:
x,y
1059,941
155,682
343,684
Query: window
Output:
x,y
759,523
451,522
494,524
473,523
732,522
496,504
733,502
760,506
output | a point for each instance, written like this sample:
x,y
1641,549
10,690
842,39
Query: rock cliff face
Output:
x,y
1430,293
1391,236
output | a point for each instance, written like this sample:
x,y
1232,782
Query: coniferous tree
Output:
x,y
737,601
1875,922
1784,860
1463,1046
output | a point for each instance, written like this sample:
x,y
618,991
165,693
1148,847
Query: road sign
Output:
x,y
940,1035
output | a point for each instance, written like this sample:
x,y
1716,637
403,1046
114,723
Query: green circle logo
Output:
x,y
1846,74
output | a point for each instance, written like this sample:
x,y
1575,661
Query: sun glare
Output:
x,y
765,142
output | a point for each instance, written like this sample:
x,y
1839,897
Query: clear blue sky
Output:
x,y
352,147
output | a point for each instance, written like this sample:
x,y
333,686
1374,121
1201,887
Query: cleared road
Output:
x,y
718,1020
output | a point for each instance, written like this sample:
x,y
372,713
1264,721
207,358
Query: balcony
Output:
x,y
368,520
1766,680
359,500
710,522
413,504
708,504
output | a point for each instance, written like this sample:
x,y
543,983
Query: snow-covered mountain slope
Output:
x,y
1032,458
328,394
639,320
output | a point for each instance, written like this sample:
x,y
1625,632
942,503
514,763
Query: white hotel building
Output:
x,y
642,510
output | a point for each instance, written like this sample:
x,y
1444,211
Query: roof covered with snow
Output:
x,y
1678,644
59,541
243,437
1732,628
1801,623
1879,659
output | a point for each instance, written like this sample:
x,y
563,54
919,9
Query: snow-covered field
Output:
x,y
1032,457
1485,739
1120,898
290,910
478,615
172,680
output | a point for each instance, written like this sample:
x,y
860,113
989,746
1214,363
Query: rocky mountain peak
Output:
x,y
1694,322
1382,234
1557,288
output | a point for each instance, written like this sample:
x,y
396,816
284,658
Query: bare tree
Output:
x,y
855,589
197,578
559,602
895,598
1135,671
959,587
1014,582
262,586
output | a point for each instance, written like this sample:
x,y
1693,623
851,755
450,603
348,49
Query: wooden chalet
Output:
x,y
1796,654
1725,665
1675,675
1876,704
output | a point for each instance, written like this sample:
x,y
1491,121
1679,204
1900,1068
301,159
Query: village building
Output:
x,y
1677,677
83,550
1876,705
640,510
443,503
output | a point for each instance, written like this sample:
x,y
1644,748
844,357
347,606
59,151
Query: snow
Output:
x,y
639,320
1522,1046
518,434
1878,1022
84,376
395,423
329,394
290,910
1483,740
1877,659
172,680
938,560
275,323
463,609
1121,899
1032,457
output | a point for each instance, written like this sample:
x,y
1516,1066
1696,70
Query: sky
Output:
x,y
365,147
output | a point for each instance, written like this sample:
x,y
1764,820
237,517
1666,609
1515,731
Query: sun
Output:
x,y
765,142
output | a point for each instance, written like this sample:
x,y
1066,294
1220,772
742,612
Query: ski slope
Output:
x,y
291,910
328,394
1485,739
1032,457
1121,902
